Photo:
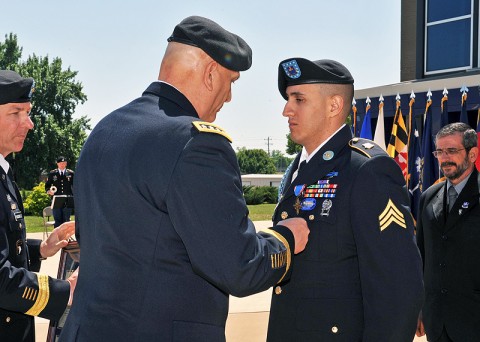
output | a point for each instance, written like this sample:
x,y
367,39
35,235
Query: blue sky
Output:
x,y
117,46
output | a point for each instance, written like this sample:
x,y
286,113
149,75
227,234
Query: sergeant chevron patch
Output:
x,y
390,215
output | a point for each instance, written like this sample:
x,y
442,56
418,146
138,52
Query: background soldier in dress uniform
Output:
x,y
359,279
165,235
23,293
60,182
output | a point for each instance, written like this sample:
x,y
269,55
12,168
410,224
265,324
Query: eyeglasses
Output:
x,y
447,152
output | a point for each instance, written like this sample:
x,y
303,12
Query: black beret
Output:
x,y
61,159
14,88
226,48
295,71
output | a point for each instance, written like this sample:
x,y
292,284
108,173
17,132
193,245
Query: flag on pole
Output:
x,y
414,160
397,146
366,131
379,137
463,112
444,118
477,163
354,117
429,172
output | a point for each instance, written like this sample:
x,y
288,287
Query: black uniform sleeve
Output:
x,y
390,264
27,292
208,210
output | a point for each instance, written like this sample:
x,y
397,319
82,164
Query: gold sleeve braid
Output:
x,y
288,258
42,298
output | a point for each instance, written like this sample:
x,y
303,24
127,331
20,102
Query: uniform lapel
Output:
x,y
438,206
4,181
467,200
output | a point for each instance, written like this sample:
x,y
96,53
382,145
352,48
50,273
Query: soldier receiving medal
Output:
x,y
360,276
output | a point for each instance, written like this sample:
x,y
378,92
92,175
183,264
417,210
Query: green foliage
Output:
x,y
260,194
254,161
37,200
281,162
56,96
292,147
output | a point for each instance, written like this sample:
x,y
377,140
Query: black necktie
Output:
x,y
10,183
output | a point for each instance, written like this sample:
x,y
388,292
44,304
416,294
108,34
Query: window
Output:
x,y
448,35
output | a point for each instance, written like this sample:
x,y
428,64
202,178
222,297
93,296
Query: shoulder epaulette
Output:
x,y
208,127
70,170
366,147
52,171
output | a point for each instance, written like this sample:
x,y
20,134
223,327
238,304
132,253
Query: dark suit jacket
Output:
x,y
450,248
164,235
23,294
359,278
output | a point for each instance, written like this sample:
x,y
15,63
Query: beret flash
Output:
x,y
295,71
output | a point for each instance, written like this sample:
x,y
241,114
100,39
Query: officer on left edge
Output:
x,y
60,182
23,292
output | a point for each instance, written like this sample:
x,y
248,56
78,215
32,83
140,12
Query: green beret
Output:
x,y
226,48
14,88
61,159
295,71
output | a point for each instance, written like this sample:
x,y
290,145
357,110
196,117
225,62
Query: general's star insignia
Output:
x,y
390,215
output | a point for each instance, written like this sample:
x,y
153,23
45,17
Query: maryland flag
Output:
x,y
397,146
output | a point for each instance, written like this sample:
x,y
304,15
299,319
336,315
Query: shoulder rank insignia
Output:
x,y
391,214
208,127
366,147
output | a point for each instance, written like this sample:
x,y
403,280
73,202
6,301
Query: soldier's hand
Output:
x,y
299,228
57,239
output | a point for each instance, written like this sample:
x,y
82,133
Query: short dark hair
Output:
x,y
470,138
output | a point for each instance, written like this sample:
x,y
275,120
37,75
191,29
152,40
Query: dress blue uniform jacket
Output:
x,y
163,228
63,183
359,278
450,247
23,294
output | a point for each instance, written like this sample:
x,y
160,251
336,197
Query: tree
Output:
x,y
292,147
281,162
55,98
254,161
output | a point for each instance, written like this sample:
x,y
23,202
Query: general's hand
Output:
x,y
57,239
50,192
73,283
300,231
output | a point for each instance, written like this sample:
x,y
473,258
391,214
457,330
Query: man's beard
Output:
x,y
460,169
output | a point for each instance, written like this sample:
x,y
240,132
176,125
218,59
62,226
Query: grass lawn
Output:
x,y
35,224
260,212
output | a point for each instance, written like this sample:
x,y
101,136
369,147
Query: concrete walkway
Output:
x,y
247,320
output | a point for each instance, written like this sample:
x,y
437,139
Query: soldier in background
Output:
x,y
60,182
